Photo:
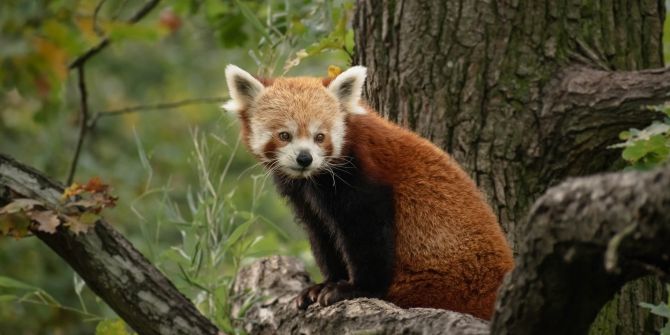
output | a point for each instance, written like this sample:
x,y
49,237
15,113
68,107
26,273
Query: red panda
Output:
x,y
388,214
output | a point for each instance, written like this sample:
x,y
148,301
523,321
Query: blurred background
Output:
x,y
190,197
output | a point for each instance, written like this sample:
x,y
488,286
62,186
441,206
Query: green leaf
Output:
x,y
660,309
237,233
624,135
134,32
13,283
634,152
253,19
111,327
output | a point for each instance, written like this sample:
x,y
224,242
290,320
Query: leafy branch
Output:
x,y
79,63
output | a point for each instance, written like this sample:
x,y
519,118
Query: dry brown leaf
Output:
x,y
46,221
20,204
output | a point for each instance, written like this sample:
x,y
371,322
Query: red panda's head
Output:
x,y
296,125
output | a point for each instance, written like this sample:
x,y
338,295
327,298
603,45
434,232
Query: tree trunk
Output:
x,y
522,93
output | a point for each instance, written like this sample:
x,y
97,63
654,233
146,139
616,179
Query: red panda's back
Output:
x,y
450,250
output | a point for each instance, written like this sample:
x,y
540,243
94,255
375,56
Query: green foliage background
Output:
x,y
190,198
165,165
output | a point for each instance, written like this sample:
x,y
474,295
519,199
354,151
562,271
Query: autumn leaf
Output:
x,y
72,190
46,221
18,205
15,224
95,185
82,223
334,71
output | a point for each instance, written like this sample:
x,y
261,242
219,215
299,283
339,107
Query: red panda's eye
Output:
x,y
319,138
284,136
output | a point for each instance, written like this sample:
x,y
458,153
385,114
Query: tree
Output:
x,y
522,94
572,229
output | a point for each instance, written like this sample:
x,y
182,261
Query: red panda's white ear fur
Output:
x,y
348,87
243,88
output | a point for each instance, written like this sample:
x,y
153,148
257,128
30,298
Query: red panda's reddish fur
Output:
x,y
450,251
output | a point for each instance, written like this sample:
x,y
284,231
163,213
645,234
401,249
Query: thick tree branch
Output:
x,y
109,264
279,279
581,87
584,240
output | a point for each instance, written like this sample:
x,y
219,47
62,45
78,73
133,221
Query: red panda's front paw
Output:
x,y
309,295
335,292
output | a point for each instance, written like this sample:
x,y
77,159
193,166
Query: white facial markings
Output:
x,y
337,133
259,137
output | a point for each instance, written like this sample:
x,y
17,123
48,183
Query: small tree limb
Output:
x,y
83,121
118,273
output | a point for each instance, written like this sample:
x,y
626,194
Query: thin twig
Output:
x,y
79,64
83,121
153,107
96,27
142,12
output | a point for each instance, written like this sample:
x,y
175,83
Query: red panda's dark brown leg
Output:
x,y
364,229
326,256
322,242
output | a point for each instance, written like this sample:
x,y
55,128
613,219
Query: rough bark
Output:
x,y
522,93
280,279
110,265
584,240
482,80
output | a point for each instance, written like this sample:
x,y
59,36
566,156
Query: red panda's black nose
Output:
x,y
304,159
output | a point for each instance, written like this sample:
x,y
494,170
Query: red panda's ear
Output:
x,y
243,88
347,88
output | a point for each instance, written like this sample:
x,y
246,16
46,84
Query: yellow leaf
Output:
x,y
72,190
85,25
53,56
334,71
111,327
